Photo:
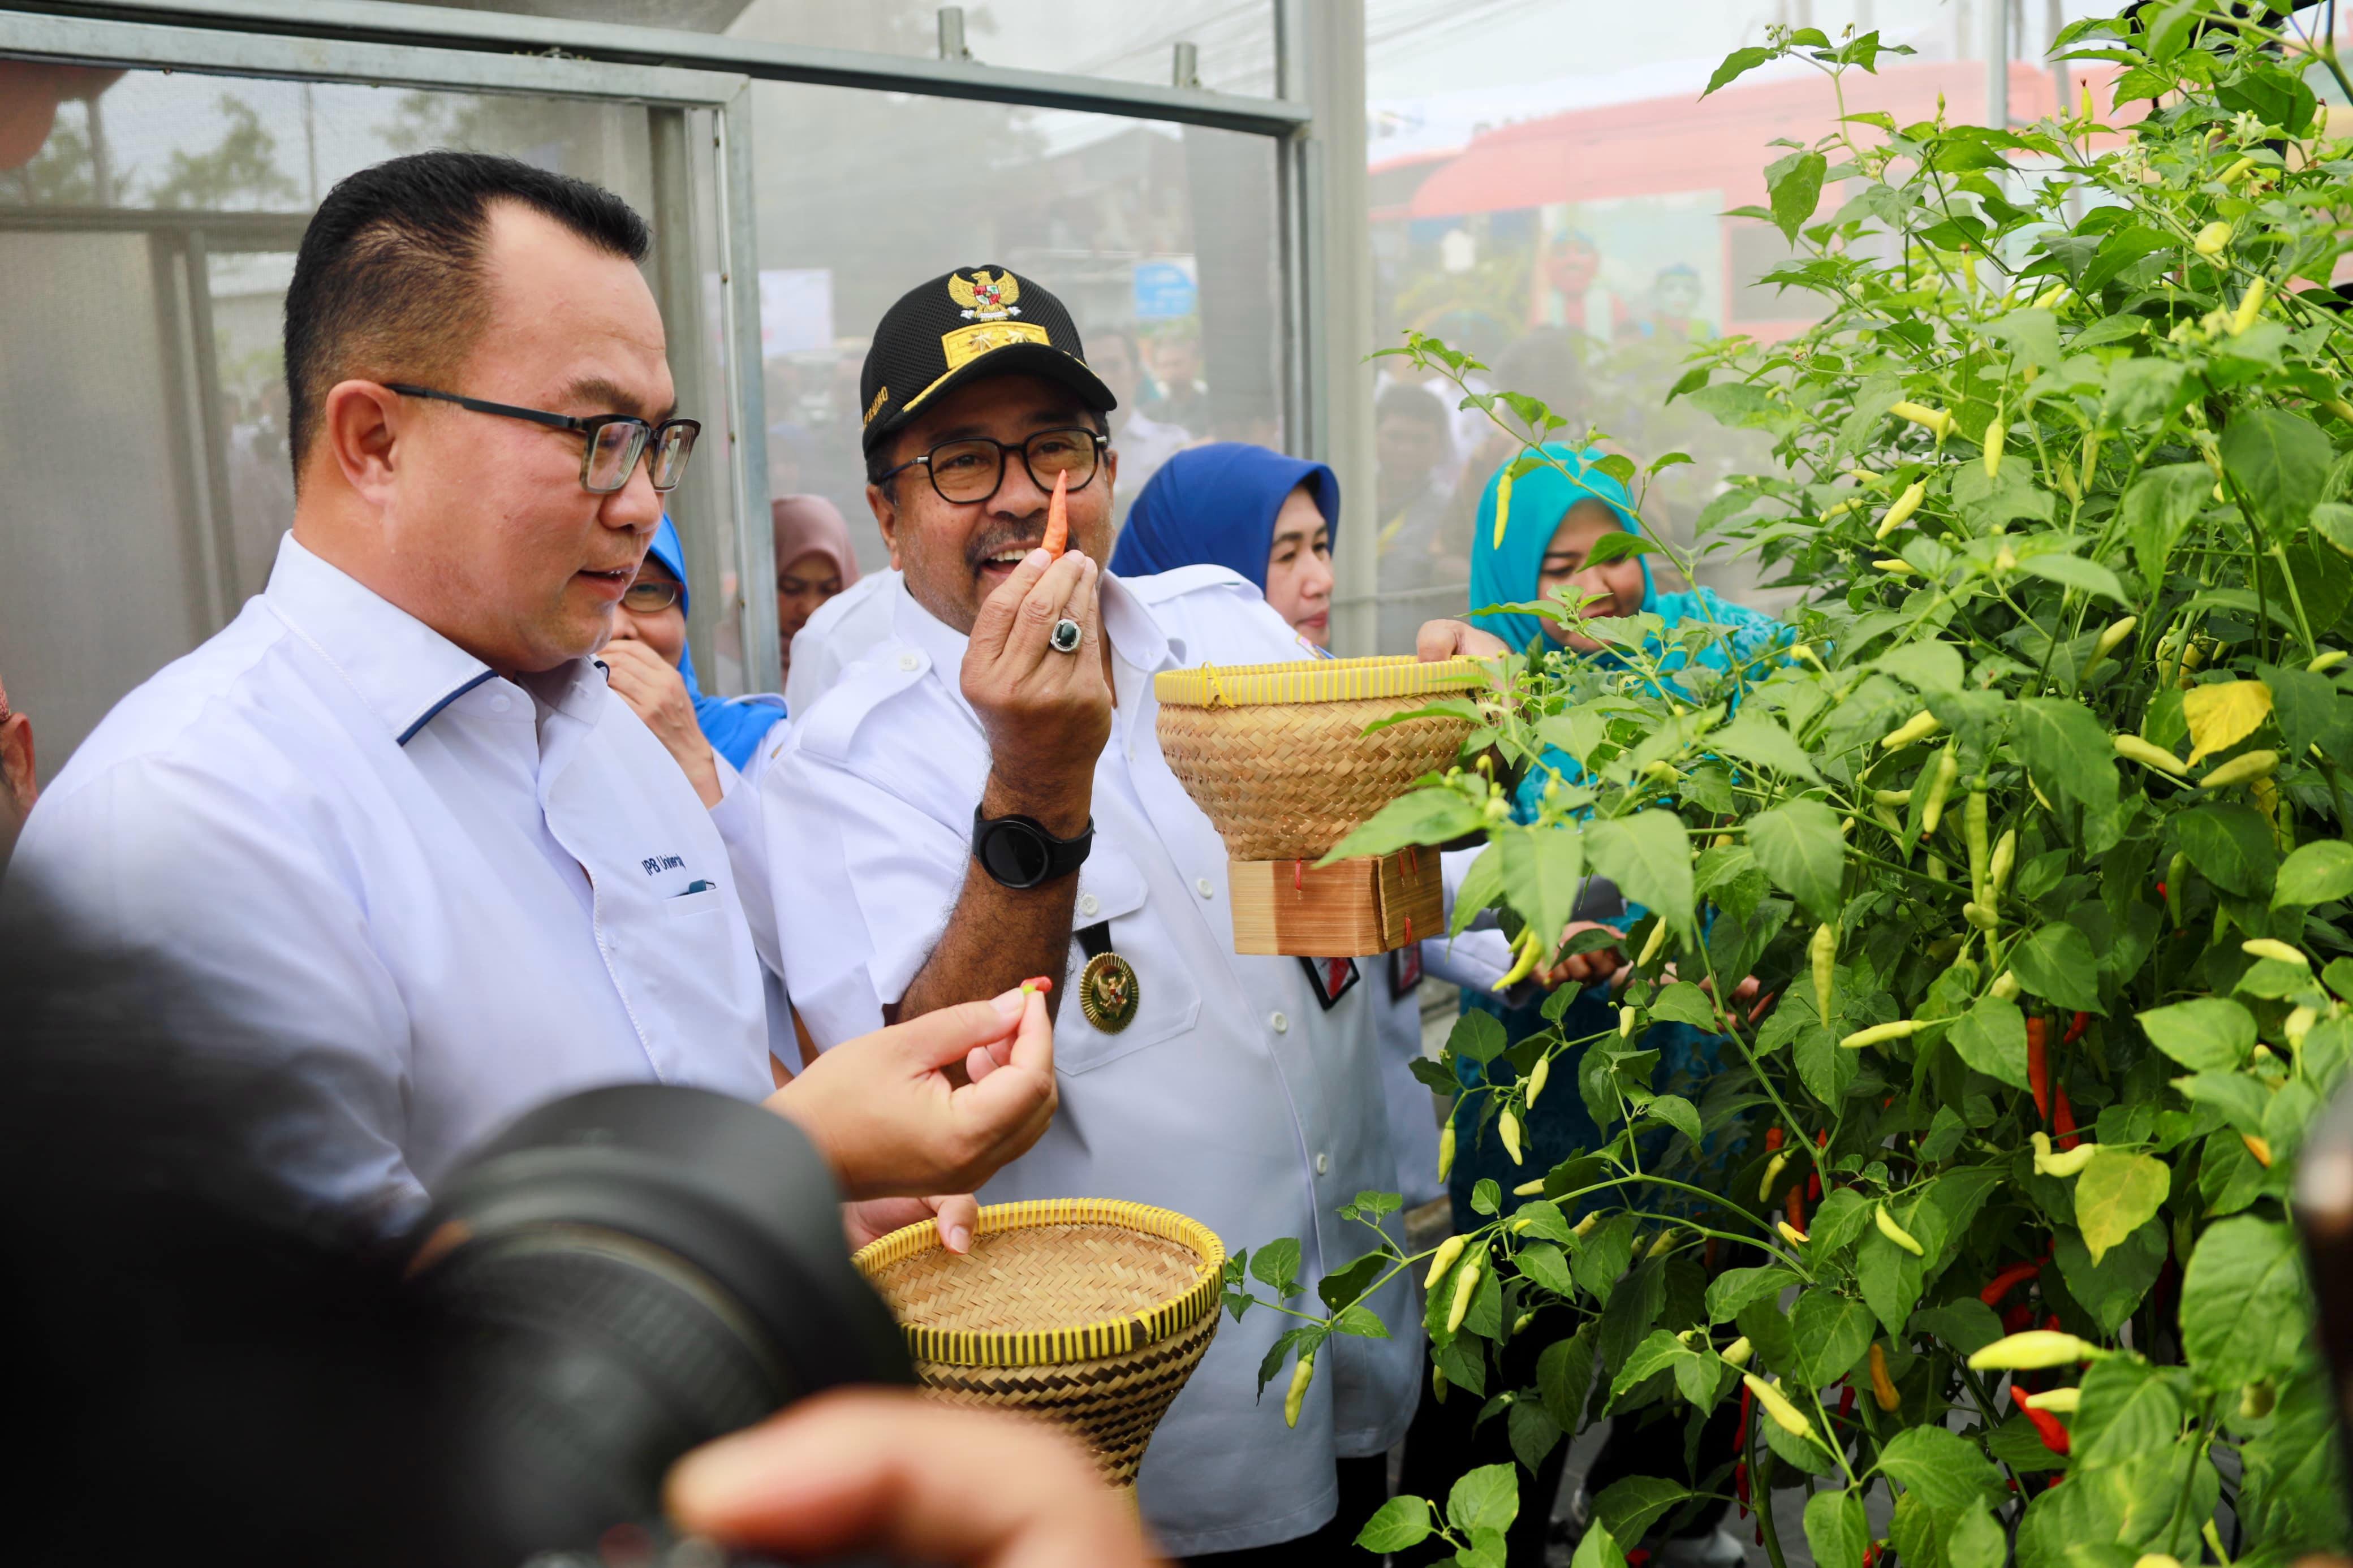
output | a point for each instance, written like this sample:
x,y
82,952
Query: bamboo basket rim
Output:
x,y
1078,1341
1316,680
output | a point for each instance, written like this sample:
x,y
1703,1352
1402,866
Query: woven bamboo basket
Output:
x,y
1088,1312
1276,754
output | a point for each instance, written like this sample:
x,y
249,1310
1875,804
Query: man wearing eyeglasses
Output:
x,y
981,798
419,853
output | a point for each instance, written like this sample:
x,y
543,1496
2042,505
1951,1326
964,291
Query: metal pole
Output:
x,y
739,295
213,430
693,506
952,44
1185,69
1997,47
1322,63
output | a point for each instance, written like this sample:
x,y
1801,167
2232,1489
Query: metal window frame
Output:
x,y
384,41
667,90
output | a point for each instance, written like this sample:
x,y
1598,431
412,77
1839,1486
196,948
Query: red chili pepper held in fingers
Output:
x,y
1058,517
2009,1279
2083,1021
2038,1068
2063,1122
1041,984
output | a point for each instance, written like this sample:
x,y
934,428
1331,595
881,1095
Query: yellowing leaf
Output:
x,y
2223,714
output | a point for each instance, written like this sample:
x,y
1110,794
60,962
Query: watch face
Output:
x,y
1014,855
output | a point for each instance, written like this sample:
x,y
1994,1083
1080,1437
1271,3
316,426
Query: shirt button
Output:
x,y
1322,1165
500,704
1201,885
1089,903
1282,1025
911,661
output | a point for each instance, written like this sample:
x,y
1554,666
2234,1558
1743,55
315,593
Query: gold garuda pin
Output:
x,y
1108,993
984,297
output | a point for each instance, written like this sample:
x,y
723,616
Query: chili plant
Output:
x,y
2033,827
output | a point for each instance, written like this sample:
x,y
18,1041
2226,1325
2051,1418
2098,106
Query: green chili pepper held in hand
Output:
x,y
1823,951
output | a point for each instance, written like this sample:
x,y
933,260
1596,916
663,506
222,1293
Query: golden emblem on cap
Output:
x,y
1108,993
881,396
984,297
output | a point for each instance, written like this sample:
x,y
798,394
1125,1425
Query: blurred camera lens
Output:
x,y
632,1273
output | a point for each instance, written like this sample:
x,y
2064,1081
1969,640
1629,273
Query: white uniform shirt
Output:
x,y
435,897
837,636
1231,1098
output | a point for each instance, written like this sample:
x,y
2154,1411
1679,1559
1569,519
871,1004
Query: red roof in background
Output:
x,y
1653,146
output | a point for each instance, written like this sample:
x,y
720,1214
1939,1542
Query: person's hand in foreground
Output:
x,y
886,1115
885,1470
1447,640
1590,968
656,693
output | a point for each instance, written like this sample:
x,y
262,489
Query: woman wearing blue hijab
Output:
x,y
650,625
1557,516
1266,516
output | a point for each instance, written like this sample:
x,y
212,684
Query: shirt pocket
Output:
x,y
699,903
1168,1001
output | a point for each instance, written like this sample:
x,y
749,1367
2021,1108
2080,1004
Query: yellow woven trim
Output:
x,y
1315,680
1083,1341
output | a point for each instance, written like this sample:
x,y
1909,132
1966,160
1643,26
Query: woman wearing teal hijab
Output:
x,y
1555,517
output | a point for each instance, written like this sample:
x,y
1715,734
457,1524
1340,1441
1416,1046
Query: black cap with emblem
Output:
x,y
972,323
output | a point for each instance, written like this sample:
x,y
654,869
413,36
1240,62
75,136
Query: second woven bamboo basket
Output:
x,y
1089,1312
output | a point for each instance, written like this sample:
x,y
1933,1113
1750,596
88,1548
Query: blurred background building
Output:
x,y
1240,199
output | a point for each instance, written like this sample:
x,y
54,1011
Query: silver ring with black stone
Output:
x,y
1064,637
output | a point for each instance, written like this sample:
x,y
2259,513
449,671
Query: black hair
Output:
x,y
387,279
1418,404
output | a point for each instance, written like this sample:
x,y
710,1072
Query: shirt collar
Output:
x,y
1135,637
402,668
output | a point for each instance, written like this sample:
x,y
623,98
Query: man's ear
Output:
x,y
359,427
886,518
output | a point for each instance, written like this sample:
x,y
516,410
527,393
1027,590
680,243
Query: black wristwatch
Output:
x,y
1020,853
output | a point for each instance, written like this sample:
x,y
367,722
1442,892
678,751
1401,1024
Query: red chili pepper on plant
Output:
x,y
2038,1068
2047,1426
2018,1319
2083,1021
1846,1401
2063,1122
2009,1279
1773,1138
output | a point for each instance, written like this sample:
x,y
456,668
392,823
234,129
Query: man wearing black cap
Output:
x,y
982,793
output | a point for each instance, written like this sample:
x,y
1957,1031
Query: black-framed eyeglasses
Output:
x,y
614,441
971,469
649,596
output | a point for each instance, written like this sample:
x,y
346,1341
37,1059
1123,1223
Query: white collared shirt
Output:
x,y
1232,1097
436,897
